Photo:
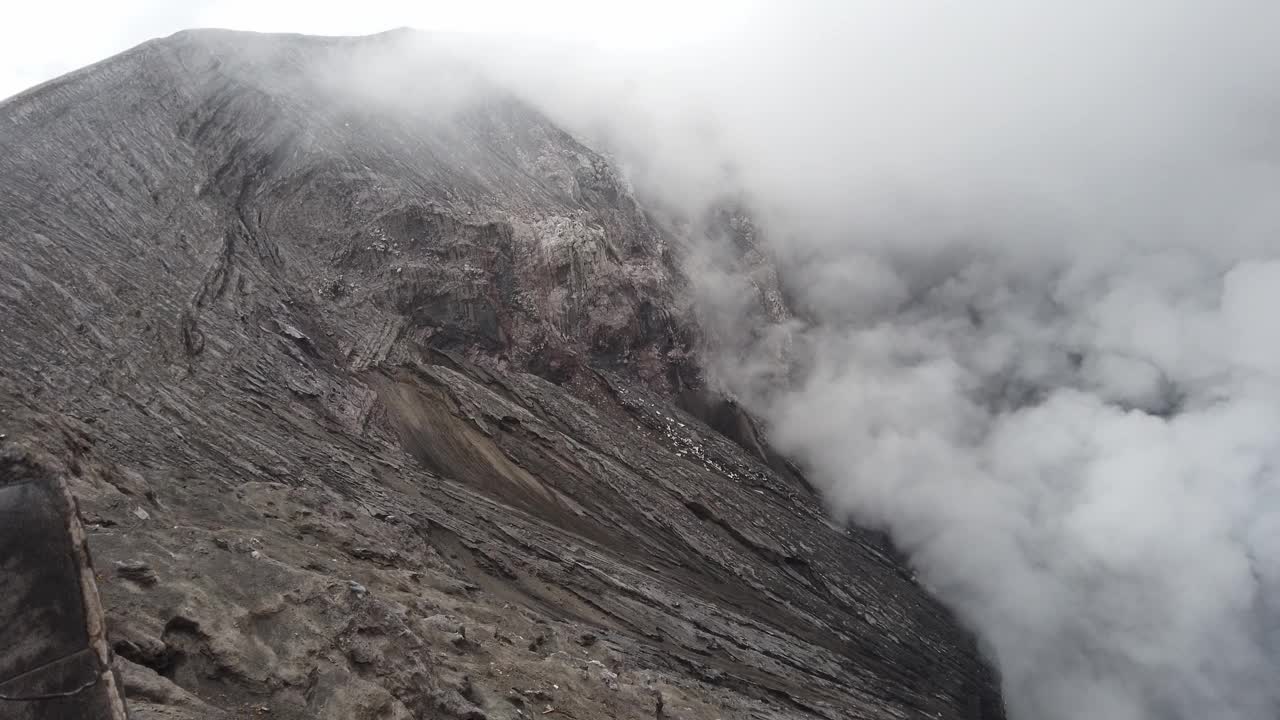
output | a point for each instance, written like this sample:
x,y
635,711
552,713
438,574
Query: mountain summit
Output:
x,y
368,380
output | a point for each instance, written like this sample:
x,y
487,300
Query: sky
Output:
x,y
39,41
1032,257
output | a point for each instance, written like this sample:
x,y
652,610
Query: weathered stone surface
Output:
x,y
298,357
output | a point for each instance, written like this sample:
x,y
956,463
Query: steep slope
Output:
x,y
367,393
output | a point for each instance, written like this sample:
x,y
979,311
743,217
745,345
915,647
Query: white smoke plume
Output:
x,y
1031,255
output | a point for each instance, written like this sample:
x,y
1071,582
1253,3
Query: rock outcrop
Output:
x,y
371,407
56,659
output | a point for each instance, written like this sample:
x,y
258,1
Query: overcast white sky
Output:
x,y
41,40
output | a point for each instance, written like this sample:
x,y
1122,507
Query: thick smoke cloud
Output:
x,y
1031,268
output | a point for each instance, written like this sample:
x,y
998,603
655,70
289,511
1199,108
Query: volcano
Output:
x,y
380,398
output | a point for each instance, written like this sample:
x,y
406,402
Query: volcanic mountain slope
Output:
x,y
367,393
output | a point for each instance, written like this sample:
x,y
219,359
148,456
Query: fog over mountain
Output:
x,y
999,277
1029,255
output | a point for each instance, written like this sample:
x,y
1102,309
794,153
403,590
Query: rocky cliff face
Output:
x,y
370,406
